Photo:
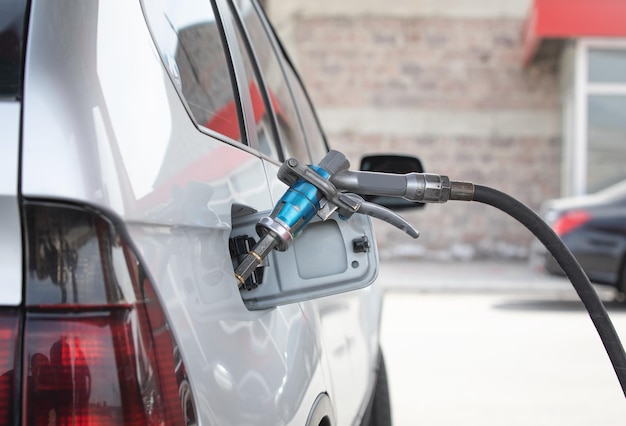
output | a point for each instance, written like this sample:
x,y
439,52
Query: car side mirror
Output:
x,y
398,164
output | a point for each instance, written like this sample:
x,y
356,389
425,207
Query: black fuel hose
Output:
x,y
571,268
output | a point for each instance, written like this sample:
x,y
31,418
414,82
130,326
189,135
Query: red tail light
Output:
x,y
569,221
8,362
97,346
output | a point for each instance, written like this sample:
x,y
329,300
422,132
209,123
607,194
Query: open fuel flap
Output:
x,y
327,257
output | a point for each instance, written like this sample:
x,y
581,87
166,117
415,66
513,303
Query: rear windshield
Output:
x,y
12,34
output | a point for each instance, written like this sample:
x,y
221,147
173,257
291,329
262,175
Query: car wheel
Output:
x,y
379,411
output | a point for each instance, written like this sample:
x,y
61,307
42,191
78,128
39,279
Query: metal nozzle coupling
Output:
x,y
461,191
254,258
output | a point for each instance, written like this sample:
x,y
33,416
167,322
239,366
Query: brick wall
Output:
x,y
450,89
421,62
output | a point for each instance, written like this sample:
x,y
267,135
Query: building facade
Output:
x,y
473,88
586,39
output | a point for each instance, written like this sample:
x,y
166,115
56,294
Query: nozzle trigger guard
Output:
x,y
383,213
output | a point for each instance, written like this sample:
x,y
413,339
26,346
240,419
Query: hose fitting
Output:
x,y
461,191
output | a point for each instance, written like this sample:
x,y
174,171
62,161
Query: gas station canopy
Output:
x,y
551,21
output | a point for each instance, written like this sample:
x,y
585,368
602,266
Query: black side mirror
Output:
x,y
397,164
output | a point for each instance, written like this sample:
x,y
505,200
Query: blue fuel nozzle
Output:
x,y
295,209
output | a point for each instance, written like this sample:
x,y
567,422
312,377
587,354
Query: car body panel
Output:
x,y
257,367
10,229
350,346
104,125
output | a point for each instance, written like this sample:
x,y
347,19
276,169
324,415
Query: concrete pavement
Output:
x,y
494,343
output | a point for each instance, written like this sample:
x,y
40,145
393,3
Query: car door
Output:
x,y
347,324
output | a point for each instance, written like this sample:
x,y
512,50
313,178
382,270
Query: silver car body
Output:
x,y
99,117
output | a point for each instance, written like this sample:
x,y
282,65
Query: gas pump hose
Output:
x,y
568,263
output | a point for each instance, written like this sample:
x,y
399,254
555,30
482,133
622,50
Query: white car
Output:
x,y
140,142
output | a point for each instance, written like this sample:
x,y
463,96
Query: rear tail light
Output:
x,y
570,220
97,347
8,361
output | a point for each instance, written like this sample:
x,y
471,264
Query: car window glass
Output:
x,y
189,39
12,15
266,136
288,122
314,136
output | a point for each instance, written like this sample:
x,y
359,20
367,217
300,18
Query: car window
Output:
x,y
288,123
261,109
190,42
314,135
12,15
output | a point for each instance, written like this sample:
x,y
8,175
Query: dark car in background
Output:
x,y
594,228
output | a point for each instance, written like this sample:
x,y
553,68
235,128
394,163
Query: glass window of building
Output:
x,y
606,117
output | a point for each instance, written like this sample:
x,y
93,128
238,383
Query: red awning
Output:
x,y
562,19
